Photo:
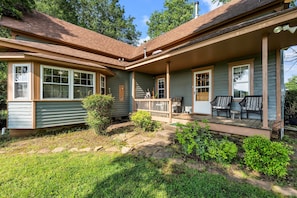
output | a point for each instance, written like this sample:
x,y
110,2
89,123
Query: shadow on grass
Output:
x,y
138,176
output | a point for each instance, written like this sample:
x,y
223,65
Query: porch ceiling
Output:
x,y
236,44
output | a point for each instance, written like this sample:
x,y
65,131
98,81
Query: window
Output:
x,y
161,88
61,83
21,80
240,76
55,83
102,84
83,84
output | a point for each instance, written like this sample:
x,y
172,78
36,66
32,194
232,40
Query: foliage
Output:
x,y
290,104
16,8
4,32
106,17
292,83
265,156
99,111
220,1
197,140
143,119
175,13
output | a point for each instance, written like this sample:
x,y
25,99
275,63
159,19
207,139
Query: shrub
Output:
x,y
197,140
265,156
99,111
143,119
291,106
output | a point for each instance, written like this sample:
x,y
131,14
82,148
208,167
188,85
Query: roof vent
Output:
x,y
196,9
156,52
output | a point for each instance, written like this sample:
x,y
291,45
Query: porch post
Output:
x,y
168,90
278,92
265,80
133,92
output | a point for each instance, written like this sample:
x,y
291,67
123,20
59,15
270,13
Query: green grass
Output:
x,y
110,175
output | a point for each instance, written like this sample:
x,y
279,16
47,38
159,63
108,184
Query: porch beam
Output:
x,y
168,80
265,80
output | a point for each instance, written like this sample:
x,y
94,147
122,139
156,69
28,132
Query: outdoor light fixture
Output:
x,y
278,29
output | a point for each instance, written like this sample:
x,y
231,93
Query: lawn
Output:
x,y
111,175
25,171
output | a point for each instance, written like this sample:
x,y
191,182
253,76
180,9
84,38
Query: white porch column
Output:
x,y
265,80
133,94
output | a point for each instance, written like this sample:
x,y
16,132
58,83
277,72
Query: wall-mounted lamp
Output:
x,y
278,29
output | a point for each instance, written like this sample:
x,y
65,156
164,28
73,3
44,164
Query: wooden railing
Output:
x,y
158,107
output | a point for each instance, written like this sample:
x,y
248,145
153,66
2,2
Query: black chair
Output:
x,y
251,104
221,103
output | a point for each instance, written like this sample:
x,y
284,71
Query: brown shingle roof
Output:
x,y
44,26
60,51
47,27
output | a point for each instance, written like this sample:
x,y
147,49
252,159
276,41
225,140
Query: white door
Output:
x,y
202,92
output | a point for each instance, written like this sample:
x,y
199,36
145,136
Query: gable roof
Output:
x,y
65,33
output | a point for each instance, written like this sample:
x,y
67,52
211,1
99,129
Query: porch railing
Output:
x,y
157,107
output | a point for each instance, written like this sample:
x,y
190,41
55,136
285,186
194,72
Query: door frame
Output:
x,y
201,69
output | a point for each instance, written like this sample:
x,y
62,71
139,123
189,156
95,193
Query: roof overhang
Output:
x,y
225,44
49,59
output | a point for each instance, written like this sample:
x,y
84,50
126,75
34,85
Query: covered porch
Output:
x,y
161,110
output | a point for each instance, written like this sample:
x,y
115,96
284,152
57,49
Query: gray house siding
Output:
x,y
143,82
20,115
120,108
51,114
181,85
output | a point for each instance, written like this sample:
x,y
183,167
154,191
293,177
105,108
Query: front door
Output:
x,y
202,92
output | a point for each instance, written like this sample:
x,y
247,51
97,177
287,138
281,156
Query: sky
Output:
x,y
142,10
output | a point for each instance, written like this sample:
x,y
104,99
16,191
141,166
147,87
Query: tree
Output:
x,y
292,83
16,8
105,17
3,71
220,1
176,12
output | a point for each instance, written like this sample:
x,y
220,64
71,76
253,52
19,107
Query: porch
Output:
x,y
161,110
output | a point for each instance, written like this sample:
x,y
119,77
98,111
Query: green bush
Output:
x,y
197,140
143,119
265,156
99,111
290,105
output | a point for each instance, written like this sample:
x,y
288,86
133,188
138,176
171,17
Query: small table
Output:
x,y
235,113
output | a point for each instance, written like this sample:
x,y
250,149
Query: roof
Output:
x,y
77,37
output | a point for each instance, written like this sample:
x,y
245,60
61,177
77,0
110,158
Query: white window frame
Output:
x,y
248,81
70,82
86,72
28,81
102,87
164,89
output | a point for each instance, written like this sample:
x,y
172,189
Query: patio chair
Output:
x,y
251,104
177,104
221,103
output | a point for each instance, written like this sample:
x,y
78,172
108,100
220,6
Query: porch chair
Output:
x,y
251,104
177,104
221,103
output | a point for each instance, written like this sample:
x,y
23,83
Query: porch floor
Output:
x,y
243,127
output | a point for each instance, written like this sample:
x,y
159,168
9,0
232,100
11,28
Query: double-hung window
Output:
x,y
61,83
161,87
21,78
102,84
83,84
56,83
241,78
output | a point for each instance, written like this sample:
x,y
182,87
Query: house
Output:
x,y
234,50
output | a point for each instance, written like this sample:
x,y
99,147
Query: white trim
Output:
x,y
28,81
249,79
101,75
158,81
70,82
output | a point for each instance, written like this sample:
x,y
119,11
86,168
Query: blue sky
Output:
x,y
142,10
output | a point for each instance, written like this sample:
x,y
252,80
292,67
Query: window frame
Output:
x,y
100,84
71,84
158,87
250,64
14,65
